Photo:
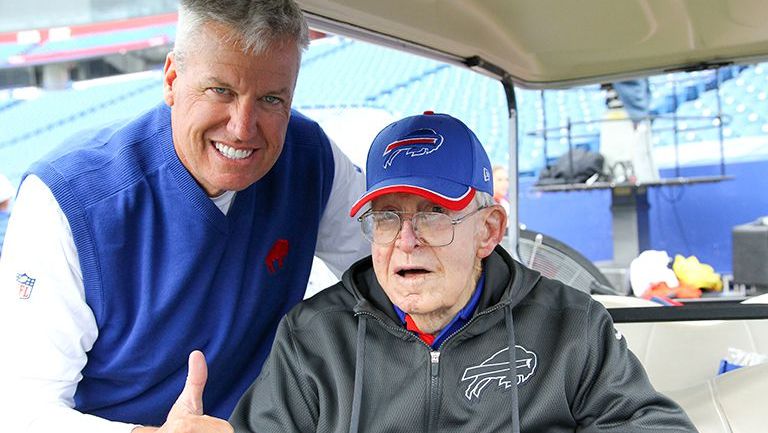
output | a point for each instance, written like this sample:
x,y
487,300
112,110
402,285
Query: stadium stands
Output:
x,y
162,35
33,127
400,84
340,73
40,46
405,84
10,50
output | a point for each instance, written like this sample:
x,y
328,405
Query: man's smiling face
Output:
x,y
230,109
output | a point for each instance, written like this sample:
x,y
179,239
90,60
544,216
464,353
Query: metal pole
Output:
x,y
513,225
674,127
572,175
544,126
720,122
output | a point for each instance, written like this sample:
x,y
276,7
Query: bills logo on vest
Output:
x,y
25,284
277,254
496,370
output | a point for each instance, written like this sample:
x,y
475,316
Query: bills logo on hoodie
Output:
x,y
495,370
417,143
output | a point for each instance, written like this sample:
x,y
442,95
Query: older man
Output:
x,y
417,337
192,226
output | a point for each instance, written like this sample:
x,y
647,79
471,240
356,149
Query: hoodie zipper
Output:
x,y
434,362
434,372
434,368
434,389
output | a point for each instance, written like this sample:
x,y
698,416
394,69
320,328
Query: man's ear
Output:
x,y
492,233
169,76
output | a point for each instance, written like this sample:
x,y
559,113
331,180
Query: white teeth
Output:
x,y
231,152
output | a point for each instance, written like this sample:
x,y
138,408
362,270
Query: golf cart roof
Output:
x,y
552,43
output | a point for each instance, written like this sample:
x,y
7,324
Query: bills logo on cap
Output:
x,y
417,143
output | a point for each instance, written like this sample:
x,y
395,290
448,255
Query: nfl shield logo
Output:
x,y
25,283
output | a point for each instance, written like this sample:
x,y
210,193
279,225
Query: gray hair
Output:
x,y
483,199
256,24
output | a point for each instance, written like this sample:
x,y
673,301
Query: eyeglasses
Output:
x,y
431,228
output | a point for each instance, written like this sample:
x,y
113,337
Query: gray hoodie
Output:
x,y
342,362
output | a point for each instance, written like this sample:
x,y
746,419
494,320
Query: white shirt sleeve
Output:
x,y
46,326
340,241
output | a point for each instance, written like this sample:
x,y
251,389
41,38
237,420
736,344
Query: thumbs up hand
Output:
x,y
186,415
190,401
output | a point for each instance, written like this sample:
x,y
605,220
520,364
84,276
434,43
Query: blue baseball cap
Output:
x,y
435,156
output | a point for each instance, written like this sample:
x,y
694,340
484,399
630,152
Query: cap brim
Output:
x,y
451,195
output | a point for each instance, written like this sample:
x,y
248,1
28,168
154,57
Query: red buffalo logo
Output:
x,y
277,253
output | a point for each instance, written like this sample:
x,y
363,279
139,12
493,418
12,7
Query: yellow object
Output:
x,y
690,271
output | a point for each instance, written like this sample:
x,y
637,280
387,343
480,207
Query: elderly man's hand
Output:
x,y
186,415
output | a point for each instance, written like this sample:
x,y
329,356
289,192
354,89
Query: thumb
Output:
x,y
190,400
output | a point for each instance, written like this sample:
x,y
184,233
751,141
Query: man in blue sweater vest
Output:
x,y
191,227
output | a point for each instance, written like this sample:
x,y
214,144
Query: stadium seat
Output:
x,y
760,299
730,403
674,362
665,349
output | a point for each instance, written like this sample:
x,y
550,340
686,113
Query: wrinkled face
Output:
x,y
229,109
424,280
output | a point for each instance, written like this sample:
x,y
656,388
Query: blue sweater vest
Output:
x,y
166,272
